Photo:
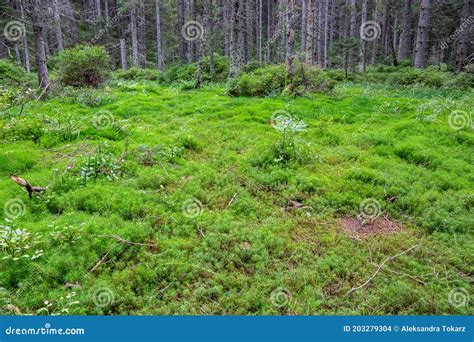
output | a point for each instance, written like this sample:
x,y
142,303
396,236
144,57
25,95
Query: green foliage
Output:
x,y
407,76
271,80
16,244
12,75
138,74
101,164
84,65
194,152
260,82
188,72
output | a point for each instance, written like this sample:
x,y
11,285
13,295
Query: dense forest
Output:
x,y
346,34
236,157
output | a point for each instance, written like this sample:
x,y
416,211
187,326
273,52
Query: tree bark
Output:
x,y
463,42
422,37
26,53
406,35
57,26
160,54
38,22
181,22
123,54
290,48
363,43
134,34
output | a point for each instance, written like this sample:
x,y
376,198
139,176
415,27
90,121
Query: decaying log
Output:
x,y
29,188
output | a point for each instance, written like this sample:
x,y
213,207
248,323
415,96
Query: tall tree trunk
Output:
x,y
406,35
309,32
237,38
260,32
353,33
141,30
134,34
375,42
304,25
463,41
290,47
249,29
209,15
26,54
363,43
422,36
326,34
123,54
38,22
57,25
160,54
181,22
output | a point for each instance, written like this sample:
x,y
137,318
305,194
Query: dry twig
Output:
x,y
380,267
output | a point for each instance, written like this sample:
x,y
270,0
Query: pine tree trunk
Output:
x,y
181,22
39,28
363,43
141,27
123,54
422,36
326,34
134,34
290,47
160,54
463,41
353,33
236,39
406,35
260,32
57,26
304,25
309,32
26,54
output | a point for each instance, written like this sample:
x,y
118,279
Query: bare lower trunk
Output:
x,y
160,62
422,37
123,54
406,36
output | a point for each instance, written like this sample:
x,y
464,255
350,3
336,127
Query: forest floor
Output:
x,y
165,201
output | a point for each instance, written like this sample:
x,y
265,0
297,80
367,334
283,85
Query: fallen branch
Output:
x,y
380,267
120,239
25,184
101,260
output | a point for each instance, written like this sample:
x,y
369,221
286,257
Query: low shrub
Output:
x,y
188,72
11,75
138,74
271,80
82,66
